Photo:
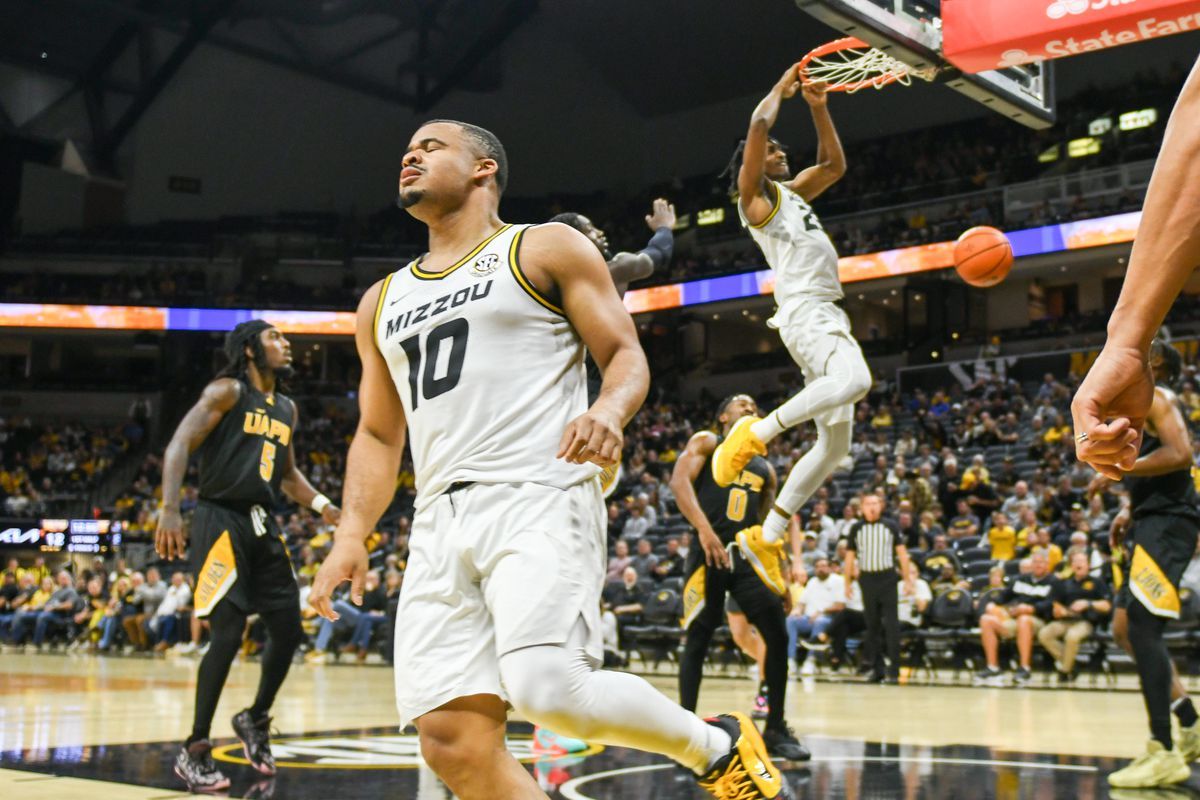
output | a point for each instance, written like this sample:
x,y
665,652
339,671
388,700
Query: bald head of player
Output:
x,y
449,165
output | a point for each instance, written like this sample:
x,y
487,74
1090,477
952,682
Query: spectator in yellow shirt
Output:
x,y
1002,538
1053,551
1058,431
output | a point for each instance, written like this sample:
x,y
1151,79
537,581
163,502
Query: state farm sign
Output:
x,y
981,35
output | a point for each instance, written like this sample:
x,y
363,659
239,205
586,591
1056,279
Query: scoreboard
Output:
x,y
97,536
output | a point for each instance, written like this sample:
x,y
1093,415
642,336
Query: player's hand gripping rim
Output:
x,y
593,437
169,541
346,561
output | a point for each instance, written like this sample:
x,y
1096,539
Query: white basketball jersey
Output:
x,y
489,371
797,248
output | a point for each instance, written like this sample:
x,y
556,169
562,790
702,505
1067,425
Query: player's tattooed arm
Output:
x,y
831,158
372,465
683,477
752,177
296,486
563,263
217,399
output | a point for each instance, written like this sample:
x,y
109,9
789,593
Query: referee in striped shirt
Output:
x,y
874,549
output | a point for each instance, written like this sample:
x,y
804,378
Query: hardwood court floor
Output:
x,y
68,719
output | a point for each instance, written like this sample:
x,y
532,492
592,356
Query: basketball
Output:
x,y
983,256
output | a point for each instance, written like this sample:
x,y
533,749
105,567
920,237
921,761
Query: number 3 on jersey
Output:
x,y
430,385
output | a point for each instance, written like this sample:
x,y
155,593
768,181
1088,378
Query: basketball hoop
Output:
x,y
850,65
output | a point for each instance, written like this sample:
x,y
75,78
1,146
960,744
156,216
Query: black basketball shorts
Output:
x,y
242,558
1157,551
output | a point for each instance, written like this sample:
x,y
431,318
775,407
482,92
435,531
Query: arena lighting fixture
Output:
x,y
710,216
1086,146
1048,155
1134,120
1100,126
682,222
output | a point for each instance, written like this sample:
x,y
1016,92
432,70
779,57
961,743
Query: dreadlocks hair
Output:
x,y
734,167
1170,362
246,334
486,145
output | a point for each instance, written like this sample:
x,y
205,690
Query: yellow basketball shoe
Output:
x,y
1187,742
766,559
1158,766
735,452
747,772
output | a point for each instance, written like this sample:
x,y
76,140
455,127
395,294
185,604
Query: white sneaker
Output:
x,y
185,648
808,668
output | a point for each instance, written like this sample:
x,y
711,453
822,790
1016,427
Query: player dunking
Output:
x,y
718,514
477,350
242,430
1154,539
775,208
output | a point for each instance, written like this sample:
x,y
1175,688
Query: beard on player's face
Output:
x,y
409,198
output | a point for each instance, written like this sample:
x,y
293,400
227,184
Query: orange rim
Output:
x,y
836,46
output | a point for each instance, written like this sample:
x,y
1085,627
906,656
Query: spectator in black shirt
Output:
x,y
949,485
982,499
1023,609
671,564
625,599
1064,498
940,556
1080,603
9,589
965,523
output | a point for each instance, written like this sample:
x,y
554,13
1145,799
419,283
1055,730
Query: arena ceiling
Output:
x,y
661,56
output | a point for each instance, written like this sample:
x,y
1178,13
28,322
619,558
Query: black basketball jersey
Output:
x,y
1172,493
242,459
736,506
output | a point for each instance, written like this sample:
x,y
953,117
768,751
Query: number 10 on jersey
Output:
x,y
426,383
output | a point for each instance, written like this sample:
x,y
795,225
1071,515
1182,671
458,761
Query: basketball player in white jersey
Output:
x,y
775,208
475,352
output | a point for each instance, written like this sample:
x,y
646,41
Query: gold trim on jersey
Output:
x,y
775,210
1149,585
693,596
217,576
433,276
383,290
514,264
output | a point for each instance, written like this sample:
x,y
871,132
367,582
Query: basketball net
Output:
x,y
850,65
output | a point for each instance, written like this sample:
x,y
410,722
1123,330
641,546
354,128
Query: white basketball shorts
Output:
x,y
494,568
812,330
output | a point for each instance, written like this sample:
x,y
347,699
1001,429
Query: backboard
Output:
x,y
911,31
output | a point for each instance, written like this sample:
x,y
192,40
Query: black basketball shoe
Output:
x,y
195,766
256,740
782,743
